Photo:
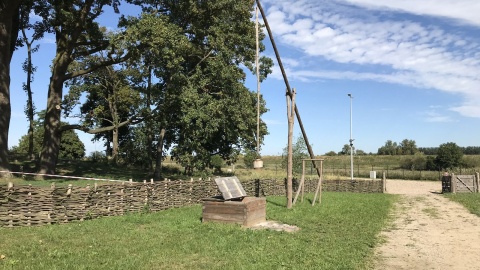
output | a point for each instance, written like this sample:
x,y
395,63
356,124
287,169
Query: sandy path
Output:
x,y
428,231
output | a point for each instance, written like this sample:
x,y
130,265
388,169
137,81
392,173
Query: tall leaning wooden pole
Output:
x,y
287,84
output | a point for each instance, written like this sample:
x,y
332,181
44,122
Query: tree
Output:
x,y
331,153
390,148
71,147
192,50
299,152
407,147
38,32
9,25
346,150
449,156
249,157
110,102
417,162
77,35
215,114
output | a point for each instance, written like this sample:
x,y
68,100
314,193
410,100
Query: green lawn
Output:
x,y
470,200
338,234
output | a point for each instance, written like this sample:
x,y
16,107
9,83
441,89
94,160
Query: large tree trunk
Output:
x,y
115,145
148,125
8,34
52,135
28,89
158,163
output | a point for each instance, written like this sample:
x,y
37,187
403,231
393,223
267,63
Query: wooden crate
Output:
x,y
248,212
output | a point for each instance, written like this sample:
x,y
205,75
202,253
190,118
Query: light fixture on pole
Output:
x,y
351,139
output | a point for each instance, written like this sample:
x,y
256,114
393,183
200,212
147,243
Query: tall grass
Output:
x,y
338,234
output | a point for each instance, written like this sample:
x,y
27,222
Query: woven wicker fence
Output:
x,y
31,206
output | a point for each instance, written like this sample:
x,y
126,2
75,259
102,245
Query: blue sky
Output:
x,y
413,68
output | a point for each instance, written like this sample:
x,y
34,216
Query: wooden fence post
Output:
x,y
29,211
191,191
384,181
477,181
453,183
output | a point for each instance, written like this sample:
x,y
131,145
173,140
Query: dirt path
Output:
x,y
428,231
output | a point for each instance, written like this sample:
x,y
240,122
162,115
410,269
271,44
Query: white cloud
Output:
x,y
463,10
408,52
271,122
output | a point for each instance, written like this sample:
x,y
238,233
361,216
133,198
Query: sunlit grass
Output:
x,y
338,234
470,200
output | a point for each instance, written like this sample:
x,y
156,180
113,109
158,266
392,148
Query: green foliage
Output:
x,y
406,147
431,165
390,148
331,154
417,162
97,156
449,156
249,157
346,150
216,163
299,152
71,147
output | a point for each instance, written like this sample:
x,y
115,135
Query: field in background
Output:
x,y
335,167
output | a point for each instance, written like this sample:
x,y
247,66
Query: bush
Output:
x,y
216,163
449,156
249,157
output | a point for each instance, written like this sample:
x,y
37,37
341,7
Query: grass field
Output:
x,y
338,234
471,201
338,167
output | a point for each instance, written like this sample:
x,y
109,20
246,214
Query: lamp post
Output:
x,y
351,139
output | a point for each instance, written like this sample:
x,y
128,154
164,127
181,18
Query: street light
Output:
x,y
351,140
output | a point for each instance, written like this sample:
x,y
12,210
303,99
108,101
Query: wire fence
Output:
x,y
333,170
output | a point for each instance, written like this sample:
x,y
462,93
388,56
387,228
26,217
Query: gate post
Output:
x,y
477,181
453,183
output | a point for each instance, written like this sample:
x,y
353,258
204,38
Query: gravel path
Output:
x,y
428,231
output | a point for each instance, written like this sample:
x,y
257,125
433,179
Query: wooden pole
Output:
x,y
453,183
477,182
291,118
287,84
257,68
302,181
384,182
319,186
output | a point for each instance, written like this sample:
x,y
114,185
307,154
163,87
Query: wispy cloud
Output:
x,y
381,46
271,122
434,116
462,10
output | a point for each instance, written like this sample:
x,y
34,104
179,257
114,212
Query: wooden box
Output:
x,y
248,212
